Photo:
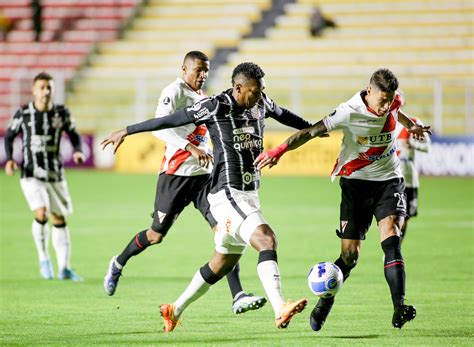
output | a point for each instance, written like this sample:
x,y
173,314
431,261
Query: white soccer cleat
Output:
x,y
248,302
112,277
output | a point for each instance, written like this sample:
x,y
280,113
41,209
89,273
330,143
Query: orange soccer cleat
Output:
x,y
170,321
288,311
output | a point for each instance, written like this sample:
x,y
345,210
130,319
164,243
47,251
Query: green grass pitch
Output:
x,y
110,208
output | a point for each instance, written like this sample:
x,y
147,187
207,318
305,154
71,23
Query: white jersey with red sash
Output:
x,y
178,161
369,142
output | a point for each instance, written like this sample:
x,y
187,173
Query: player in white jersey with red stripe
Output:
x,y
371,182
184,178
407,146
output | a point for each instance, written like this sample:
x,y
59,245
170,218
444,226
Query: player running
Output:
x,y
371,182
235,120
184,178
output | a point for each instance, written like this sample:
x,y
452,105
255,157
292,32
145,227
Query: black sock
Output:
x,y
233,279
137,245
346,269
208,275
394,269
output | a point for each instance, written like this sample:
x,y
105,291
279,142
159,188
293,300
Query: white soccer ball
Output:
x,y
325,279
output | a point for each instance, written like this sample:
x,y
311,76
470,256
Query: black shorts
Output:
x,y
412,202
362,199
174,193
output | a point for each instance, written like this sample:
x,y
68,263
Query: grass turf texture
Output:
x,y
110,208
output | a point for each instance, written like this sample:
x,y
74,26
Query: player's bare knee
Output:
x,y
264,238
154,237
41,215
57,219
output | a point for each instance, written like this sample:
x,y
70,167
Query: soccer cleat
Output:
x,y
248,302
112,277
320,313
69,274
46,269
288,311
402,315
170,321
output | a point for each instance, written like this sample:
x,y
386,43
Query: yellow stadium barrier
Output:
x,y
143,153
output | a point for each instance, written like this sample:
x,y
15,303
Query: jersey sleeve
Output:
x,y
284,116
12,131
70,129
337,119
168,104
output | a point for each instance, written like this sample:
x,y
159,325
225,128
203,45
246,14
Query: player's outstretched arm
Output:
x,y
271,157
173,120
418,131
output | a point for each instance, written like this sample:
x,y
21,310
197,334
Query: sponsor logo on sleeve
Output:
x,y
198,110
166,100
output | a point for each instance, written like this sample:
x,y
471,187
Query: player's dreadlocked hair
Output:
x,y
43,76
384,80
195,55
248,70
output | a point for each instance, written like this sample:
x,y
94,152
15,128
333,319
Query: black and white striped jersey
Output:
x,y
41,134
236,134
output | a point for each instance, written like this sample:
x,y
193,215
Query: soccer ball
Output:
x,y
325,279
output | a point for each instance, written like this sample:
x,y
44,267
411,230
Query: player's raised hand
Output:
x,y
203,158
419,131
116,139
78,157
10,167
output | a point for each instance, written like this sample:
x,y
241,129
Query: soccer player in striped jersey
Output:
x,y
371,182
235,120
41,124
407,148
184,178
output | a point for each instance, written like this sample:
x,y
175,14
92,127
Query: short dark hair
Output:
x,y
385,80
193,55
248,70
43,76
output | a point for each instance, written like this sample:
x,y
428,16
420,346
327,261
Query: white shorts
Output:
x,y
54,196
238,215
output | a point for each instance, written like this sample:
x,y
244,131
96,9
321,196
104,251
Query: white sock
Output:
x,y
41,237
197,288
270,278
62,246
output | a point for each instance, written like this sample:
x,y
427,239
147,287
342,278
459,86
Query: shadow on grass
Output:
x,y
371,336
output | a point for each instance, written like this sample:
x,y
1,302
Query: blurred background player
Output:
x,y
408,145
184,177
235,120
41,124
371,182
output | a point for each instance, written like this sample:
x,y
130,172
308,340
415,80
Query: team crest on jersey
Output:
x,y
166,100
255,112
56,122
